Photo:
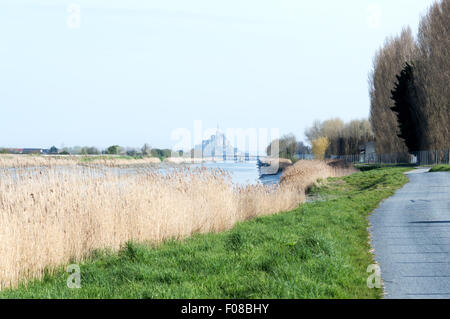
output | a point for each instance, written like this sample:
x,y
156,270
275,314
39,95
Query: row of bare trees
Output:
x,y
409,86
287,147
343,138
330,137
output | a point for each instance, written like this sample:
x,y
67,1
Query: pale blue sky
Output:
x,y
135,70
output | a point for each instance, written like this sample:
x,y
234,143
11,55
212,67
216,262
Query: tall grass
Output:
x,y
51,216
306,172
21,161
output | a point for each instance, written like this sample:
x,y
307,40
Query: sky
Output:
x,y
103,72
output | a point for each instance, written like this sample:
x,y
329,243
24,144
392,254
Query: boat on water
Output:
x,y
272,166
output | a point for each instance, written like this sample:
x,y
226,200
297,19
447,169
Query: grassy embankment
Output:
x,y
319,250
440,168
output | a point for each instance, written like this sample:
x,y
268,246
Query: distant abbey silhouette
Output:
x,y
219,147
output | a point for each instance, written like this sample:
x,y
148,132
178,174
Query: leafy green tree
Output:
x,y
89,150
113,150
161,153
405,100
92,150
53,150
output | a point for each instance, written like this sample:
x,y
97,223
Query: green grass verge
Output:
x,y
319,250
440,168
368,167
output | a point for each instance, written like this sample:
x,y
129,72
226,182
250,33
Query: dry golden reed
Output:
x,y
50,216
121,162
20,161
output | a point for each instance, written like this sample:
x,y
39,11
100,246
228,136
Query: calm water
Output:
x,y
243,173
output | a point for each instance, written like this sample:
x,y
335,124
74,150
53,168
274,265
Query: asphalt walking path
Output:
x,y
410,234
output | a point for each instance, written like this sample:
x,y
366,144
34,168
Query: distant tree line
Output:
x,y
145,150
341,138
329,137
409,87
76,150
288,147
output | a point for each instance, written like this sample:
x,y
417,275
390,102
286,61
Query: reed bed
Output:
x,y
50,217
191,160
306,172
122,162
22,161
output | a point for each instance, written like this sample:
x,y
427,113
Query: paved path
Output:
x,y
410,234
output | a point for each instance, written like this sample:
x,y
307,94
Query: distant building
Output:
x,y
14,150
27,151
32,151
367,152
217,146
